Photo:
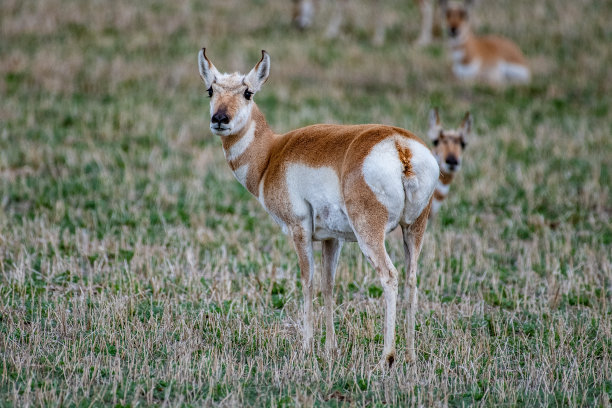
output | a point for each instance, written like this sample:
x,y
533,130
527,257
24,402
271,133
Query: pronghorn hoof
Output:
x,y
411,356
387,361
331,349
390,360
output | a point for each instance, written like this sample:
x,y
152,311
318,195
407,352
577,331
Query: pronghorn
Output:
x,y
304,16
328,183
490,58
448,148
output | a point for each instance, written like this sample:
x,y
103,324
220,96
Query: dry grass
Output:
x,y
134,269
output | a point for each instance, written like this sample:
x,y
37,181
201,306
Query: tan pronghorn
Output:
x,y
304,12
328,183
448,148
494,59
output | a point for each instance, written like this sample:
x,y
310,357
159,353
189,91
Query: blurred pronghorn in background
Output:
x,y
448,149
304,14
493,59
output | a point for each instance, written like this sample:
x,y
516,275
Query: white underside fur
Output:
x,y
315,194
501,72
316,198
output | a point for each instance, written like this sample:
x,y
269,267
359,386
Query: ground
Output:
x,y
135,270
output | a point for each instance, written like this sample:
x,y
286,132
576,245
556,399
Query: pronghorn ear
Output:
x,y
434,124
466,125
208,72
259,74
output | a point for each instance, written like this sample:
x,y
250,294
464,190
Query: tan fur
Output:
x,y
488,51
262,161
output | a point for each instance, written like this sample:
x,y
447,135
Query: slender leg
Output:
x,y
372,244
413,240
369,218
333,28
379,29
303,13
427,17
330,254
302,240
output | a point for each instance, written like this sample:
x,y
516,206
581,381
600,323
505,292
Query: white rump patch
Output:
x,y
383,172
419,187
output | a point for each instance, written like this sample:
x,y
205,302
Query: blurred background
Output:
x,y
135,269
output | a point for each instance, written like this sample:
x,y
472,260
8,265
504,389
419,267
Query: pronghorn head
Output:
x,y
448,144
456,18
231,94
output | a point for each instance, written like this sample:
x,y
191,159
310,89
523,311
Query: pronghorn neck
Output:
x,y
459,43
446,178
248,151
441,191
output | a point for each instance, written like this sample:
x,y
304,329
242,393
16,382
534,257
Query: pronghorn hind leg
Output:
x,y
377,255
330,254
413,241
302,239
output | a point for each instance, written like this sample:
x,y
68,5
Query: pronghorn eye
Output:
x,y
463,144
435,142
248,94
210,91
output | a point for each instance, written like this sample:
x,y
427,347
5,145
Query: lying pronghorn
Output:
x,y
328,183
304,15
448,148
490,58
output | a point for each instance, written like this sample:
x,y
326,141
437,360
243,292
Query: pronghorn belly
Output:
x,y
315,196
514,72
420,186
383,172
467,71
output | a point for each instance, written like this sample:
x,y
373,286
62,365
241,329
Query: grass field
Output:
x,y
135,270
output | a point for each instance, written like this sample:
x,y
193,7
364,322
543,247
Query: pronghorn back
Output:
x,y
385,158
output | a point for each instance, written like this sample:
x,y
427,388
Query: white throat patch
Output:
x,y
241,145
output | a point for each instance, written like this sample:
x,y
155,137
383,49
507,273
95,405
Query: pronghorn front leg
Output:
x,y
330,254
302,239
427,16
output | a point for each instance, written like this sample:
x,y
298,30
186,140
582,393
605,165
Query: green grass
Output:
x,y
134,269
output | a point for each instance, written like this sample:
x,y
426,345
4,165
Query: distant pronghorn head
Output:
x,y
456,14
448,144
231,94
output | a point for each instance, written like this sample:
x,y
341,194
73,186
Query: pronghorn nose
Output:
x,y
220,118
451,160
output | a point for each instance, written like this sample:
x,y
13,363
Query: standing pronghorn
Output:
x,y
448,148
491,58
328,183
